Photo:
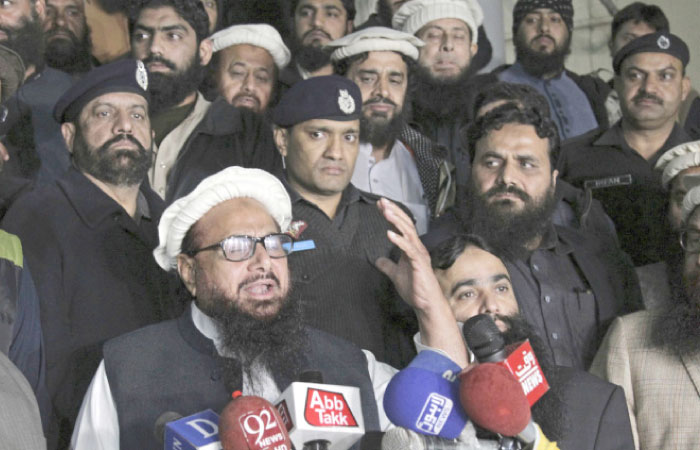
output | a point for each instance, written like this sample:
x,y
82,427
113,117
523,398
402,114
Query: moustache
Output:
x,y
380,100
159,59
313,30
510,189
646,96
123,137
58,29
540,36
263,276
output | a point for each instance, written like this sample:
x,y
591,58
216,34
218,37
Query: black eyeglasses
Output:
x,y
690,241
240,248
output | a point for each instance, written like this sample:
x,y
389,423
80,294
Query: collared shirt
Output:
x,y
627,186
395,177
97,426
570,108
168,150
557,301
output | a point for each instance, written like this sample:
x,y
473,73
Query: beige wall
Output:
x,y
589,50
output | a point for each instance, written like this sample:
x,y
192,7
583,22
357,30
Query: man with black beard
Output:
x,y
569,284
655,355
580,411
35,152
242,330
194,137
441,88
316,23
67,36
88,236
542,37
394,160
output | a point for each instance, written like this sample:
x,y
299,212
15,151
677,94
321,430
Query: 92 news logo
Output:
x,y
327,409
262,431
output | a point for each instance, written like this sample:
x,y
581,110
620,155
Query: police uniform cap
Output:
x,y
128,75
659,42
329,97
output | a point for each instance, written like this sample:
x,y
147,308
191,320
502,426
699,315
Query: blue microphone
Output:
x,y
424,397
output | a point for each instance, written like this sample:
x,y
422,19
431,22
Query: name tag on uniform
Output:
x,y
617,180
300,246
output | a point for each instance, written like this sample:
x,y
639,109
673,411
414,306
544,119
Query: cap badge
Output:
x,y
141,75
345,102
663,42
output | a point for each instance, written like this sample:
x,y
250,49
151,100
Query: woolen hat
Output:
x,y
232,182
523,7
415,14
375,39
259,35
677,159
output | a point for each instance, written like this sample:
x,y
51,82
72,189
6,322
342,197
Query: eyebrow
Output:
x,y
474,282
176,27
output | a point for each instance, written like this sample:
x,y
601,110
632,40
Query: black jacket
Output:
x,y
226,136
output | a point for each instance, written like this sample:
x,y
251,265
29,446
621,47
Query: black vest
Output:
x,y
171,366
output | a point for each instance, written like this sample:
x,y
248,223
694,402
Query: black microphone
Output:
x,y
484,339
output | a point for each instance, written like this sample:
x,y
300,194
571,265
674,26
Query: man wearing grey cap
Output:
x,y
617,164
655,355
246,64
88,236
542,32
317,129
243,330
394,160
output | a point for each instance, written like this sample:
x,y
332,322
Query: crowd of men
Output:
x,y
396,190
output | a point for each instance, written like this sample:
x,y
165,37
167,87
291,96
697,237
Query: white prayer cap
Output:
x,y
375,39
260,35
677,159
230,183
415,14
690,202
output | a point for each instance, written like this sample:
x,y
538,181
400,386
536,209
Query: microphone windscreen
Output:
x,y
425,402
494,399
482,336
162,421
252,423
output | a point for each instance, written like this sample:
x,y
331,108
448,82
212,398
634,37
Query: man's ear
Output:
x,y
205,51
280,135
186,269
555,175
349,27
685,88
68,132
40,8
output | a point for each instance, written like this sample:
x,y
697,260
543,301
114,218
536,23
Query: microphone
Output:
x,y
486,341
321,416
199,431
424,397
494,400
403,439
252,423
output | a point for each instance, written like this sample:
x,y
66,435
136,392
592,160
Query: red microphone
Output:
x,y
493,399
252,423
486,341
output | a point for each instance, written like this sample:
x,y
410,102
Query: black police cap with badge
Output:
x,y
127,75
659,42
330,97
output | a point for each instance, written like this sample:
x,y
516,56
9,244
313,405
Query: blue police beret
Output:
x,y
659,42
128,75
329,97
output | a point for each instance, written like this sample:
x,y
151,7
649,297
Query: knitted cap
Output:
x,y
677,159
259,35
563,7
230,183
375,39
415,14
